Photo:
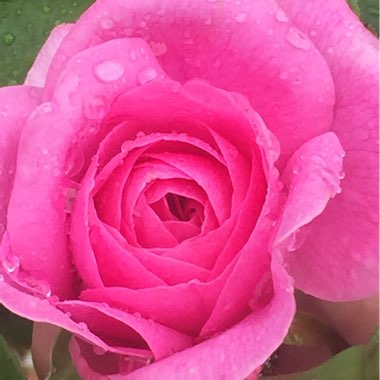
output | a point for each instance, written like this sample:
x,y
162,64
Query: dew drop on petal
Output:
x,y
146,75
132,55
296,169
74,162
281,16
241,17
95,108
283,76
158,48
109,71
297,39
106,23
1,278
99,350
82,326
11,263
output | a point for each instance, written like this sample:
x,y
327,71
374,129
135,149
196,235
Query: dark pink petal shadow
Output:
x,y
343,241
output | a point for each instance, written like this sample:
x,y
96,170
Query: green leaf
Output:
x,y
61,363
15,329
347,365
355,363
10,368
372,358
24,26
369,13
308,330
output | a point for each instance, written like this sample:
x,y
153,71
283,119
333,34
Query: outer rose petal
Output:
x,y
235,353
37,74
285,77
16,104
343,241
82,95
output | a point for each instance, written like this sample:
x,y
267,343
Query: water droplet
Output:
x,y
342,175
82,326
71,195
297,39
338,190
217,63
99,350
146,75
109,71
95,108
106,23
270,32
313,32
1,278
343,154
9,39
132,55
158,48
281,16
208,21
283,76
330,50
74,162
143,24
46,108
11,263
296,169
140,134
46,9
18,12
241,17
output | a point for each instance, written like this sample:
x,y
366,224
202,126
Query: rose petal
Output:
x,y
183,307
122,329
40,190
37,73
285,76
312,177
16,104
343,241
237,352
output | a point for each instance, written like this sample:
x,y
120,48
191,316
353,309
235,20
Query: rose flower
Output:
x,y
170,170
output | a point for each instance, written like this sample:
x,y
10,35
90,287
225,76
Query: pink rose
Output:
x,y
165,174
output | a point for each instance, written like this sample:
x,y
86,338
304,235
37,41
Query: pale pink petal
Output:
x,y
343,241
16,104
42,193
276,66
37,73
